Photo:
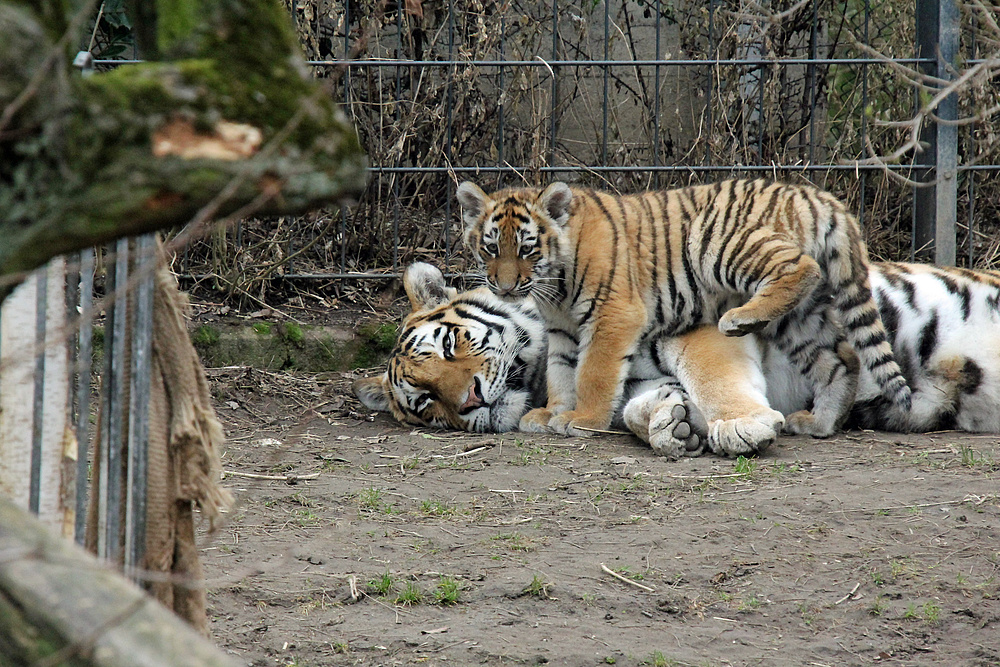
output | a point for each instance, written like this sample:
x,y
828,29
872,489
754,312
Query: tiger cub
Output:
x,y
610,273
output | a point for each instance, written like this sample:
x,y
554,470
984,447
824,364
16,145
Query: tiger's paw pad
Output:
x,y
804,422
745,435
536,421
735,323
672,434
572,422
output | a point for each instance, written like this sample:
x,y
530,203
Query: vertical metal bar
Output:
x,y
347,107
946,214
502,89
935,206
396,96
656,102
607,41
138,413
448,131
555,84
84,350
711,80
113,410
38,397
811,78
970,176
864,115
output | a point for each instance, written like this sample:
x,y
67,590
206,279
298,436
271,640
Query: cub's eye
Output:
x,y
527,250
491,250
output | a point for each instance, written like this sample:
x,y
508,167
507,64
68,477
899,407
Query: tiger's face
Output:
x,y
517,237
465,361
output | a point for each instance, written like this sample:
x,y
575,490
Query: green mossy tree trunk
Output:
x,y
224,104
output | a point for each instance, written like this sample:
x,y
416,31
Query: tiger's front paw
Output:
x,y
737,322
576,423
745,435
536,421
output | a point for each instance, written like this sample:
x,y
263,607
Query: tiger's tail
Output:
x,y
853,298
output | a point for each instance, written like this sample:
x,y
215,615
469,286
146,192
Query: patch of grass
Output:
x,y
446,592
306,517
745,467
436,508
750,603
293,333
410,595
627,572
878,606
262,328
371,499
301,499
205,336
973,458
538,588
657,659
877,578
382,584
514,541
377,341
340,647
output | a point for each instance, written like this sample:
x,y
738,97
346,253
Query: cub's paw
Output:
x,y
804,422
745,435
576,423
536,421
737,322
669,422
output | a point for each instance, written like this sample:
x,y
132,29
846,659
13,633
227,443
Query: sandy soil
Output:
x,y
867,548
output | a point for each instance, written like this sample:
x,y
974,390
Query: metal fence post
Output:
x,y
935,206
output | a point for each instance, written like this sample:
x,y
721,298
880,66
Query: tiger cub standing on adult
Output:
x,y
610,273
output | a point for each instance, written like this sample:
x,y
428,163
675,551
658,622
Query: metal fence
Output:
x,y
55,427
628,95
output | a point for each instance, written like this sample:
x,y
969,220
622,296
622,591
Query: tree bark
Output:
x,y
59,605
230,108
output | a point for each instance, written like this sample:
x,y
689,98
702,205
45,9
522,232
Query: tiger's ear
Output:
x,y
373,392
556,200
473,201
425,286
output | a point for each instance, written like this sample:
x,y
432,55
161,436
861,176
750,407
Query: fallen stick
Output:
x,y
849,595
280,478
614,574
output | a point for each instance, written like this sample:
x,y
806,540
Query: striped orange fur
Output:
x,y
610,272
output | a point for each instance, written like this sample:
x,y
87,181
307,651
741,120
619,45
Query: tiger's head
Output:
x,y
517,236
468,361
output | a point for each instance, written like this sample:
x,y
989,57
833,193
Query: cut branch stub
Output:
x,y
147,146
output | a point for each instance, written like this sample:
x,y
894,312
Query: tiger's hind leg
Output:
x,y
662,414
725,381
788,278
816,347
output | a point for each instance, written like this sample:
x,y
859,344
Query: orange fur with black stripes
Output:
x,y
611,272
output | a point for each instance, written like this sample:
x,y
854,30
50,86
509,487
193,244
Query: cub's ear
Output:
x,y
556,200
472,198
425,286
373,392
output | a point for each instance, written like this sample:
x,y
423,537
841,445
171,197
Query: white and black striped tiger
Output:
x,y
475,362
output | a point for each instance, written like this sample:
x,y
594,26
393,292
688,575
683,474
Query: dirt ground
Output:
x,y
867,548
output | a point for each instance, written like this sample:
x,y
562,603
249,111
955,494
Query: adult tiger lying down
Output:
x,y
475,362
610,273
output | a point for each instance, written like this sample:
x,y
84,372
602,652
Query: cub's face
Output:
x,y
515,237
463,361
